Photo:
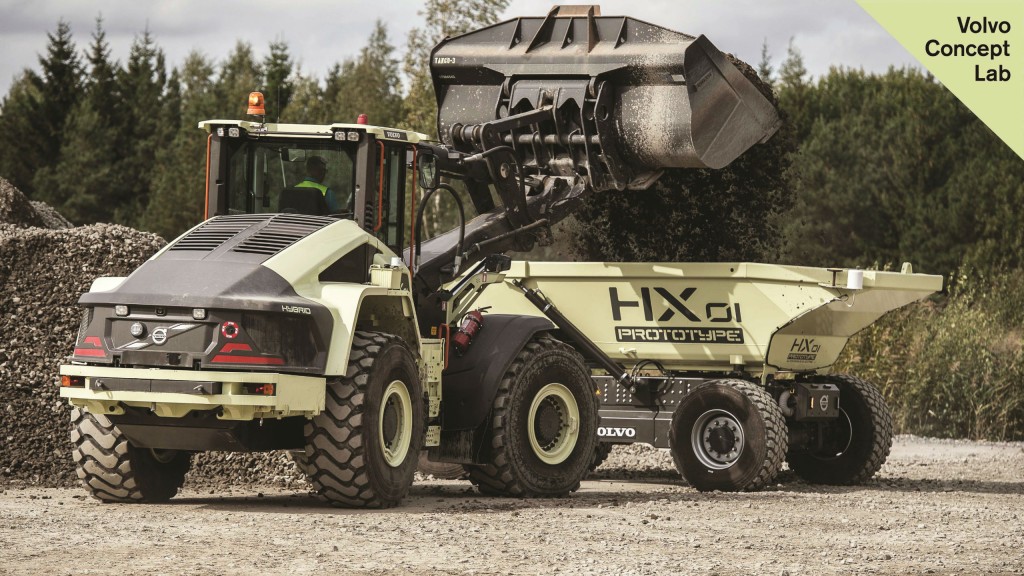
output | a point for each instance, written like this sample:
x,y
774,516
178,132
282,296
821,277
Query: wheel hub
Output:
x,y
389,426
554,424
548,423
717,439
394,426
721,439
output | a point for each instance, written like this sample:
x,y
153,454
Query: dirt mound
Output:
x,y
16,209
50,217
42,274
45,265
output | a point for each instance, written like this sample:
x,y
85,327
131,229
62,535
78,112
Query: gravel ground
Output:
x,y
937,507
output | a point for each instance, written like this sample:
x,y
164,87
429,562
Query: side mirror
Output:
x,y
428,175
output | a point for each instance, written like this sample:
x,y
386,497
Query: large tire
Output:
x,y
361,451
601,453
113,470
543,424
298,457
440,470
857,443
728,435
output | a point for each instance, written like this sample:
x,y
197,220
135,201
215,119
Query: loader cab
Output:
x,y
368,173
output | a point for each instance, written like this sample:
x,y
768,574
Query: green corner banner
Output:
x,y
974,47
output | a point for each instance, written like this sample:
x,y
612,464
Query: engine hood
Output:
x,y
219,265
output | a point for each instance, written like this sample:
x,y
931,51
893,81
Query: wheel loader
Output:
x,y
308,314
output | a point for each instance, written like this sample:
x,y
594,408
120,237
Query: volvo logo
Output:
x,y
823,403
160,335
614,432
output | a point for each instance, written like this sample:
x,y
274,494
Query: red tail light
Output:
x,y
92,347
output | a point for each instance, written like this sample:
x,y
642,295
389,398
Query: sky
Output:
x,y
322,32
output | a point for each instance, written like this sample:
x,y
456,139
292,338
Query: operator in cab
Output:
x,y
316,171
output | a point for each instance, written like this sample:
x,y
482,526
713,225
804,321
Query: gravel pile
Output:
x,y
636,462
45,265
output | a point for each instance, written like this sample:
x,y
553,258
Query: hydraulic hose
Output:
x,y
462,225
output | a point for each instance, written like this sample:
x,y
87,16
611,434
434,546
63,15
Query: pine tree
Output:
x,y
81,185
58,89
370,84
793,86
278,84
894,168
764,68
441,18
307,103
177,201
61,88
22,149
143,82
101,84
239,75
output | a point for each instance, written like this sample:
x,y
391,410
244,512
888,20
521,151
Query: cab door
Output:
x,y
391,218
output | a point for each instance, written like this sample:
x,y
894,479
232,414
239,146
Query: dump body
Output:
x,y
712,317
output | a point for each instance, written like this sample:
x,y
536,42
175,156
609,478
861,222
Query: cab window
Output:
x,y
314,177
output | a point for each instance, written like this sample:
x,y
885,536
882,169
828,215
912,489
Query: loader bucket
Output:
x,y
630,98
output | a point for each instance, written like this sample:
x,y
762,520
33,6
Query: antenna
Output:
x,y
278,104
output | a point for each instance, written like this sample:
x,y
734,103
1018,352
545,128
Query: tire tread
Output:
x,y
335,447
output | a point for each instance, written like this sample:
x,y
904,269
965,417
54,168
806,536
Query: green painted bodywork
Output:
x,y
715,317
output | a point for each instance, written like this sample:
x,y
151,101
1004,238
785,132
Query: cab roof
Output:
x,y
314,130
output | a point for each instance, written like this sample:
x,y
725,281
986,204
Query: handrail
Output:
x,y
380,191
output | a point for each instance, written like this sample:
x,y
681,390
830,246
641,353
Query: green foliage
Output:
x,y
895,168
441,18
35,112
369,84
80,184
22,151
308,104
278,83
951,370
60,88
765,68
143,82
240,74
177,200
793,86
693,215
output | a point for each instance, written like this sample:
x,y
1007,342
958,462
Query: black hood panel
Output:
x,y
218,265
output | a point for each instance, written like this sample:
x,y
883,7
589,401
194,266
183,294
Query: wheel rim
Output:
x,y
717,439
394,426
554,424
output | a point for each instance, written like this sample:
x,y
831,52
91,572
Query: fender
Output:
x,y
470,382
